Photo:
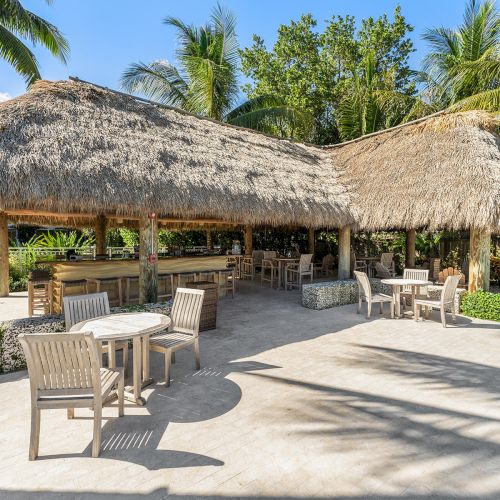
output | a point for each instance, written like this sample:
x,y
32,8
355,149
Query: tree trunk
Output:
x,y
410,248
344,253
248,240
148,260
209,239
100,235
311,234
479,264
4,256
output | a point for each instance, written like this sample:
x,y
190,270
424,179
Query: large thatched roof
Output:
x,y
75,148
440,172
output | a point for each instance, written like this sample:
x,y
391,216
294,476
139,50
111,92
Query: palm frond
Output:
x,y
489,100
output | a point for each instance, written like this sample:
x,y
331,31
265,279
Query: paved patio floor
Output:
x,y
290,403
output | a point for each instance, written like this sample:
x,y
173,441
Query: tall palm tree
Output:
x,y
372,103
462,71
206,79
17,26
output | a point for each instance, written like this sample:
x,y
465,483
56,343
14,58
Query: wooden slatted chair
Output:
x,y
451,271
81,307
295,272
381,271
414,274
269,271
65,372
447,300
366,295
387,260
184,329
326,266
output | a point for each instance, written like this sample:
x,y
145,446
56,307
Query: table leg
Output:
x,y
134,393
397,300
145,360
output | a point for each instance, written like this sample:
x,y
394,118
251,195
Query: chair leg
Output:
x,y
125,359
381,308
196,349
96,440
71,413
443,317
416,311
392,308
453,313
369,311
172,357
35,433
121,395
358,310
168,362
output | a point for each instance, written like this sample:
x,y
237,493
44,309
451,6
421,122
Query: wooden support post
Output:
x,y
479,264
311,239
344,253
209,239
248,242
4,256
148,259
411,236
100,235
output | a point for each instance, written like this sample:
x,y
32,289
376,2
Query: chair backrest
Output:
x,y
257,256
416,274
269,254
327,262
81,307
382,271
386,259
62,364
365,289
450,271
305,262
449,289
186,311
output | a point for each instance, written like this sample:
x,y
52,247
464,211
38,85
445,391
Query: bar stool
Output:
x,y
129,297
39,292
227,281
186,277
164,281
98,282
60,290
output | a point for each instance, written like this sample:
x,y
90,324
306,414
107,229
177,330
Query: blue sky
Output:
x,y
106,35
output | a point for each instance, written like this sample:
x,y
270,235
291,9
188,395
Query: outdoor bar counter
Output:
x,y
111,268
75,277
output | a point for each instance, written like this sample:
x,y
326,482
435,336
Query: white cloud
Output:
x,y
4,96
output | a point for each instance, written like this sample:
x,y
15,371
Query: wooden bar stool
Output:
x,y
39,292
113,283
227,282
130,297
60,289
165,286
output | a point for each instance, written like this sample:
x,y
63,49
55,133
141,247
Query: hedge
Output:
x,y
482,305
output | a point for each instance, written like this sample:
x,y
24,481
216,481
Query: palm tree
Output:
x,y
372,103
18,24
462,71
206,80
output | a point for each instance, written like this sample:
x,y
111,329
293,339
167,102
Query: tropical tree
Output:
x,y
18,26
205,81
372,102
462,71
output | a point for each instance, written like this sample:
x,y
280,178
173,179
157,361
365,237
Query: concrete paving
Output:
x,y
290,403
14,306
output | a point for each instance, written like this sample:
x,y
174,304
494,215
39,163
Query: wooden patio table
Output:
x,y
397,284
370,263
282,262
136,326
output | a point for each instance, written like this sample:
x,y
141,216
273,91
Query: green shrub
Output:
x,y
483,305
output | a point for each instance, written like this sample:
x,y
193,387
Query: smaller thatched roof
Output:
x,y
439,172
71,147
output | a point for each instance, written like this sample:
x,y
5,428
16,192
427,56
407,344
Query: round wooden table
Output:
x,y
397,284
136,326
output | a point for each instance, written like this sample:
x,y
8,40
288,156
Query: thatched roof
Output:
x,y
439,172
75,148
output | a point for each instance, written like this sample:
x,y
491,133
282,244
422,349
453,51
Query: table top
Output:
x,y
123,326
284,258
367,258
405,282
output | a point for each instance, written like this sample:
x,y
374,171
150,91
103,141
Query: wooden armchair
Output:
x,y
387,260
184,329
326,266
65,372
381,271
81,307
296,271
365,295
450,271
